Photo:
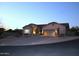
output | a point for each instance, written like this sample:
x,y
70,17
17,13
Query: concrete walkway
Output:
x,y
33,40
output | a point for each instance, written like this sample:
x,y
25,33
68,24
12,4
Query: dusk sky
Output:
x,y
16,15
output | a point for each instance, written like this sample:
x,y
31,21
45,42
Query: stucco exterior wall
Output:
x,y
48,30
62,29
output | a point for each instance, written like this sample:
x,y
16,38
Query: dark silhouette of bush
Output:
x,y
8,33
74,31
18,32
1,32
10,30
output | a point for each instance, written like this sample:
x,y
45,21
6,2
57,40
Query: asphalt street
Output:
x,y
69,48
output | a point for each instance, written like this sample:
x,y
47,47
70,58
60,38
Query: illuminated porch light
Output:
x,y
34,32
56,32
45,33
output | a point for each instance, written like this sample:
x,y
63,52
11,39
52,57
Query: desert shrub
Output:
x,y
74,31
1,32
18,32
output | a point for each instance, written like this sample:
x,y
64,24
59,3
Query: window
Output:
x,y
27,31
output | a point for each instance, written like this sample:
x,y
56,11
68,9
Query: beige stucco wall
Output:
x,y
50,28
62,29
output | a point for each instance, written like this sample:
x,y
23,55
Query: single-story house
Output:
x,y
50,29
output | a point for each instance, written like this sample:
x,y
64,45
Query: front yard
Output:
x,y
33,40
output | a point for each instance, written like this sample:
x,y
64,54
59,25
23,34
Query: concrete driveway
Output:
x,y
33,40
